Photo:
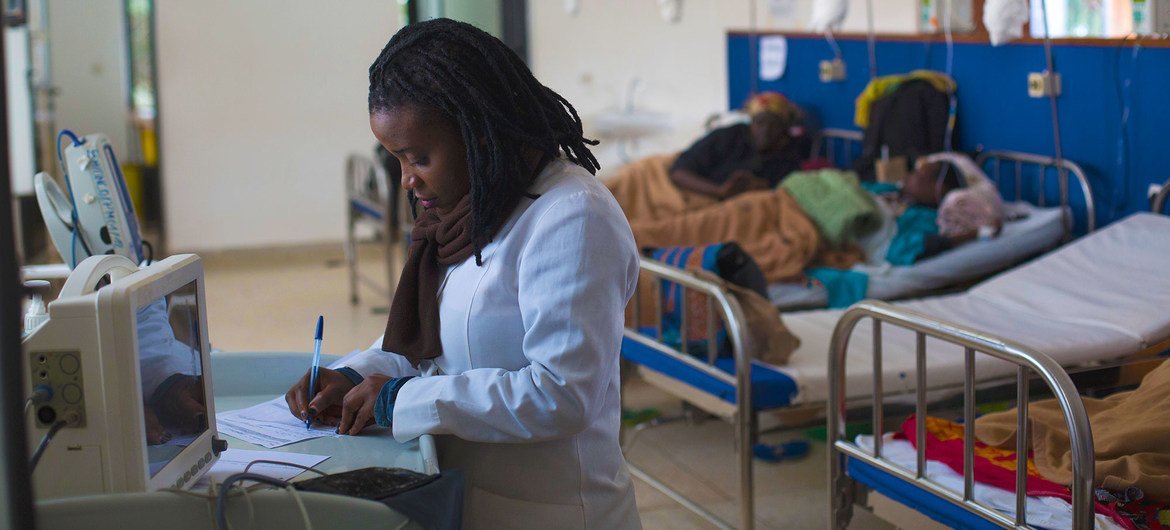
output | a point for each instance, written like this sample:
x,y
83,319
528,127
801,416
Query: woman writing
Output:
x,y
504,330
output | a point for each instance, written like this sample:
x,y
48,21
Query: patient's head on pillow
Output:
x,y
929,183
775,121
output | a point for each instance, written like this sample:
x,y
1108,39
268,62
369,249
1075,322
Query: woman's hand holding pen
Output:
x,y
332,387
337,401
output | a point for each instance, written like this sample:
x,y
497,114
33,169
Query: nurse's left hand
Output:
x,y
357,408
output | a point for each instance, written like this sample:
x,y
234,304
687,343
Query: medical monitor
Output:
x,y
128,367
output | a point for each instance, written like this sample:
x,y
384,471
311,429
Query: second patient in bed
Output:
x,y
931,214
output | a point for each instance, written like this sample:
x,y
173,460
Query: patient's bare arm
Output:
x,y
691,181
743,181
739,182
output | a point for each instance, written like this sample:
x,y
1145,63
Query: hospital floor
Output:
x,y
268,300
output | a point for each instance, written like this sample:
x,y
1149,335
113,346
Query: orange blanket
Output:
x,y
769,225
1130,433
645,192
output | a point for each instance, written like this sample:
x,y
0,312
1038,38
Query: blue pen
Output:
x,y
316,364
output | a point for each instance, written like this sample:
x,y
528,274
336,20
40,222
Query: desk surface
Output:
x,y
244,379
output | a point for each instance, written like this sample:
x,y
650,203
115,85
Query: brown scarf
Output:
x,y
439,239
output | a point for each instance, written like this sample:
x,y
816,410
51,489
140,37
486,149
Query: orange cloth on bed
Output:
x,y
645,192
769,225
1131,437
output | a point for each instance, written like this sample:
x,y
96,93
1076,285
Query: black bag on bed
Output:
x,y
911,121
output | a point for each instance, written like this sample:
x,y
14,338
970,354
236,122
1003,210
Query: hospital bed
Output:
x,y
1029,184
1052,303
373,205
838,146
889,471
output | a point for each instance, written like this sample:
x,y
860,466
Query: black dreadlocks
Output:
x,y
501,110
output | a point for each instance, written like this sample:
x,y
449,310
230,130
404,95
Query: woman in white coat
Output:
x,y
504,331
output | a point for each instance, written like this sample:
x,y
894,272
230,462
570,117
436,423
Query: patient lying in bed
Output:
x,y
742,158
725,163
931,214
798,226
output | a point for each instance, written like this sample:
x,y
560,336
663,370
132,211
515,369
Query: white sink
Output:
x,y
632,124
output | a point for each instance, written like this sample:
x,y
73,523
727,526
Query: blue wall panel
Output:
x,y
994,111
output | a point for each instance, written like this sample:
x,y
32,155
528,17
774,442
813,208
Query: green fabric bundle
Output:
x,y
835,202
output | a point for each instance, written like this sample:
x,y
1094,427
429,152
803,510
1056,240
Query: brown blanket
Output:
x,y
1131,437
769,225
645,192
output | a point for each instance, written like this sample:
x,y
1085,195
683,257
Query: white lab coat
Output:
x,y
528,385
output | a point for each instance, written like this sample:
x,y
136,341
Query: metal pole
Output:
x,y
18,506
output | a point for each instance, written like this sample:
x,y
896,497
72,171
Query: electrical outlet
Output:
x,y
832,71
1043,84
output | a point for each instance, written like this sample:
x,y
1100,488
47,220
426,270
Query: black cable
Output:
x,y
1123,89
226,486
150,254
48,437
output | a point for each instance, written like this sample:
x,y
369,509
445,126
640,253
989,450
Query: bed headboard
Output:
x,y
839,146
1014,168
1030,363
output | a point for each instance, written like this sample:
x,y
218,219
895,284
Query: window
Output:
x,y
1083,18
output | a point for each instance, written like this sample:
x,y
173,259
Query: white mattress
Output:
x,y
1039,231
1101,297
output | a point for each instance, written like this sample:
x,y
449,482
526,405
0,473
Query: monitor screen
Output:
x,y
173,401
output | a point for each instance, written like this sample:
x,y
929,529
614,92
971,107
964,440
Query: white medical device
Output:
x,y
97,216
126,367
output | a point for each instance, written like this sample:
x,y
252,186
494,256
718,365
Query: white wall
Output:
x,y
21,162
592,57
87,42
259,103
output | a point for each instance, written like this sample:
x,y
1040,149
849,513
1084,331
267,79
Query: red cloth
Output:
x,y
993,466
815,164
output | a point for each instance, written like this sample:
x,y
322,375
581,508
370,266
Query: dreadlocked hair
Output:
x,y
502,112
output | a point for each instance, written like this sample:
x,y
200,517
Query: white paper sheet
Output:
x,y
234,461
269,425
773,57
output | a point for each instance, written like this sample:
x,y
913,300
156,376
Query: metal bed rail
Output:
x,y
1028,361
830,142
1158,204
1065,172
719,302
368,201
